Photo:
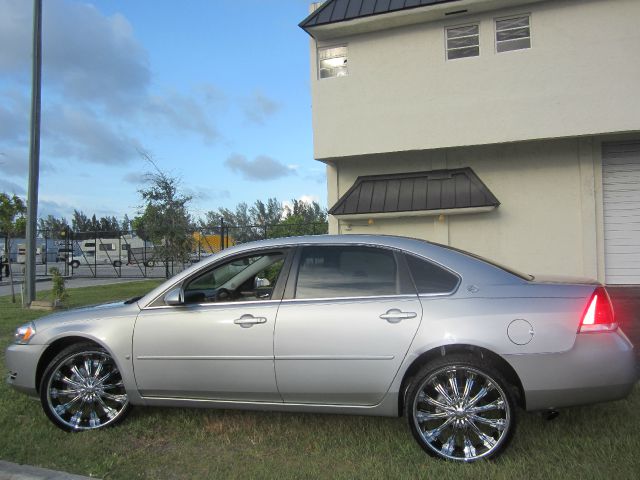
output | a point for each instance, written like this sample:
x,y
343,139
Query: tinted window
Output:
x,y
242,279
430,278
329,272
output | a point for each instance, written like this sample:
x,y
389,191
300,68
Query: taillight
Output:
x,y
598,316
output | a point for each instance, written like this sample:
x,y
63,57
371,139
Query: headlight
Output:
x,y
24,333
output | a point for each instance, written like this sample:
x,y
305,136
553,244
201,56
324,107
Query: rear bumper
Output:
x,y
599,367
22,363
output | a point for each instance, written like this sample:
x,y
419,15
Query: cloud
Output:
x,y
81,134
180,112
91,62
90,57
308,199
11,188
261,168
258,107
136,178
51,207
14,116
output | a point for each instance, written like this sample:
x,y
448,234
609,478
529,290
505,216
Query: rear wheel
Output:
x,y
117,263
460,408
82,389
74,264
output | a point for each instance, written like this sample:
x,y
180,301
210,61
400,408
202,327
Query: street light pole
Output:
x,y
34,158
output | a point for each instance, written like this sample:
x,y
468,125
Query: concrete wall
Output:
x,y
547,223
580,77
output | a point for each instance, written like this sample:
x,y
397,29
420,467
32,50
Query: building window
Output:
x,y
332,62
463,42
513,33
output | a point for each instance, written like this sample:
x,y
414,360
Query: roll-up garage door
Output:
x,y
621,191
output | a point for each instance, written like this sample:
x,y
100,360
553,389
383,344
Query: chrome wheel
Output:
x,y
461,413
84,391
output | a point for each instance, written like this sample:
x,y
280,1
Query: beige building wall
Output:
x,y
580,77
548,219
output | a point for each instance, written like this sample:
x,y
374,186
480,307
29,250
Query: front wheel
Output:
x,y
82,389
74,264
117,263
460,408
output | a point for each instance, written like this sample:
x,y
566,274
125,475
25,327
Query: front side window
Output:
x,y
513,33
430,278
332,62
242,279
463,41
343,271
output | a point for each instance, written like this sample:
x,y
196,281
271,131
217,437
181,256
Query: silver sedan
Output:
x,y
364,325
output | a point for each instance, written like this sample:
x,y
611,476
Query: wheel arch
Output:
x,y
444,350
56,347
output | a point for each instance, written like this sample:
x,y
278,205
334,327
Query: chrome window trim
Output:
x,y
349,299
188,306
294,244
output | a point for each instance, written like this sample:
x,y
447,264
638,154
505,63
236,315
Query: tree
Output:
x,y
85,227
301,218
52,226
80,222
125,226
12,224
269,213
267,219
164,217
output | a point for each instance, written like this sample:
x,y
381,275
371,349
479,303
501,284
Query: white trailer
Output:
x,y
106,251
21,256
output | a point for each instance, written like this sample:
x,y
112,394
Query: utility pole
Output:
x,y
34,158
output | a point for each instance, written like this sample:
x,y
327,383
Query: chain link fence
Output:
x,y
98,254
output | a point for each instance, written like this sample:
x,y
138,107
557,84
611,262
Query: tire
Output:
x,y
74,264
460,408
149,263
117,263
74,392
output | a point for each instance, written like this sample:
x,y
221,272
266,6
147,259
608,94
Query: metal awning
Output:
x,y
333,11
433,192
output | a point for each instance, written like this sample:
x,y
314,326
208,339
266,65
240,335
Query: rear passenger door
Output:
x,y
345,328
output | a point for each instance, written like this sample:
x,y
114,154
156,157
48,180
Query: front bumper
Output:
x,y
22,363
599,367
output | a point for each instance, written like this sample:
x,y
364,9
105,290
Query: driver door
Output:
x,y
218,345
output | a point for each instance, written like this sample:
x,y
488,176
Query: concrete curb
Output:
x,y
13,471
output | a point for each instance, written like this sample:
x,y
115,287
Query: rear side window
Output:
x,y
331,272
429,277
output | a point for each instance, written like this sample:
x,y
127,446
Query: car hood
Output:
x,y
85,314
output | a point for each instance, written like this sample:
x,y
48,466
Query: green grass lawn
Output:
x,y
599,441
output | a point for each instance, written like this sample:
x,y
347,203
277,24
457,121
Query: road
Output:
x,y
83,276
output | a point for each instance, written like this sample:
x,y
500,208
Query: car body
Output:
x,y
354,324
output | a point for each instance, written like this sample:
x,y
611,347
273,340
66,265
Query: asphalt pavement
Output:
x,y
14,471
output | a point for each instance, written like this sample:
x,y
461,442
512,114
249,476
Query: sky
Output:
x,y
217,92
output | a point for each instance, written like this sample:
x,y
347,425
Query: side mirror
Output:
x,y
174,297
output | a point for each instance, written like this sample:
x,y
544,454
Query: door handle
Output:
x,y
246,321
395,315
